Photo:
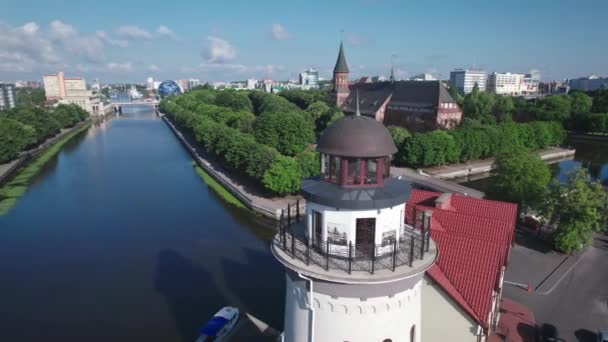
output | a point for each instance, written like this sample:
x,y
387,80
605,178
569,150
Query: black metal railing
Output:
x,y
411,245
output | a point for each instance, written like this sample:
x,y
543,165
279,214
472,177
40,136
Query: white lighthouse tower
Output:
x,y
353,269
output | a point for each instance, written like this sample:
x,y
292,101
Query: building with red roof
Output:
x,y
462,291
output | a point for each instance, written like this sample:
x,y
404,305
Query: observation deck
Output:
x,y
410,254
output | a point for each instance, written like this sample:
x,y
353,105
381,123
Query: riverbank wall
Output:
x,y
589,137
271,208
479,168
7,170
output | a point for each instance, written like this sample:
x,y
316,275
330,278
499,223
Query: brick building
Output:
x,y
415,105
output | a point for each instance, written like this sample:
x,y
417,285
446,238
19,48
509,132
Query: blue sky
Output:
x,y
233,40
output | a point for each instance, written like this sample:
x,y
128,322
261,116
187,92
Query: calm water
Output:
x,y
119,240
592,155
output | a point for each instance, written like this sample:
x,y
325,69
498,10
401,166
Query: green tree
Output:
x,y
600,101
576,207
316,110
477,104
14,137
453,90
30,96
235,100
503,108
309,163
580,103
520,176
289,132
283,176
428,149
329,117
553,108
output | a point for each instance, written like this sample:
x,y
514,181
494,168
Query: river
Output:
x,y
118,239
592,155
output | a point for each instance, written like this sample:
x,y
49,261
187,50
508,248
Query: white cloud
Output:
x,y
164,31
24,48
153,67
60,30
278,32
30,28
218,51
133,32
120,67
110,41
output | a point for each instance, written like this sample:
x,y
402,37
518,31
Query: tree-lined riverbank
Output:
x,y
28,169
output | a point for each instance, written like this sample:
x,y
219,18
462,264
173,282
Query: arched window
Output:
x,y
413,333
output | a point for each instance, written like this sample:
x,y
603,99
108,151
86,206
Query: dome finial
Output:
x,y
357,112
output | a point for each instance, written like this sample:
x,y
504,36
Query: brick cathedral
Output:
x,y
415,105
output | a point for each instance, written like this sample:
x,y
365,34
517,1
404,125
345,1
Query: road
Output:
x,y
576,302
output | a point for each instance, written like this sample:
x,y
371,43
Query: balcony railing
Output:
x,y
411,245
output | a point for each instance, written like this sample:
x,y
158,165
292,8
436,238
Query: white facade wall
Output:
x,y
345,221
352,319
506,83
51,86
443,318
465,80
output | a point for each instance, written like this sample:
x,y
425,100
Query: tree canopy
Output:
x,y
520,176
577,208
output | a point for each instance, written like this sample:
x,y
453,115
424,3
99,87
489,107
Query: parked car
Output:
x,y
549,333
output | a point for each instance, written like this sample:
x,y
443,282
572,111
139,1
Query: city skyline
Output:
x,y
130,42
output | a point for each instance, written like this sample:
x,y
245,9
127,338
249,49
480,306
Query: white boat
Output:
x,y
134,94
220,325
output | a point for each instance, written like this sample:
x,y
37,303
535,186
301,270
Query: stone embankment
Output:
x,y
269,207
481,167
7,169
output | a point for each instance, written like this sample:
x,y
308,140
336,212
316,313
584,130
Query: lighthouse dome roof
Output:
x,y
357,136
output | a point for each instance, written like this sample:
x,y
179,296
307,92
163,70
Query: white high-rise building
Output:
x,y
354,270
252,83
7,96
150,84
193,82
465,79
310,77
506,83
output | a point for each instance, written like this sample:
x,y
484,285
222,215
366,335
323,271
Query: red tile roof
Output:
x,y
474,238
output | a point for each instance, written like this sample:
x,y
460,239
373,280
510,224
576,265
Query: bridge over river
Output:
x,y
117,105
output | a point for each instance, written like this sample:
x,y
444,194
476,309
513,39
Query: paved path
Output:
x,y
476,167
573,297
432,183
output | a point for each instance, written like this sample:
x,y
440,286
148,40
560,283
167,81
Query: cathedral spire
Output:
x,y
341,65
392,77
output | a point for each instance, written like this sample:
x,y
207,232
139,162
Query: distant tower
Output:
x,y
341,83
354,269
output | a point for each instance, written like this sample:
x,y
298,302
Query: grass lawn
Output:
x,y
217,187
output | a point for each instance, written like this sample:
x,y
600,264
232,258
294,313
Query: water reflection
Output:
x,y
121,240
591,155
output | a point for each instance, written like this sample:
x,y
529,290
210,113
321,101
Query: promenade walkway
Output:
x,y
252,198
476,167
427,182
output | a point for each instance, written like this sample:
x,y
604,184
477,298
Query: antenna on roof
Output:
x,y
392,77
357,112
